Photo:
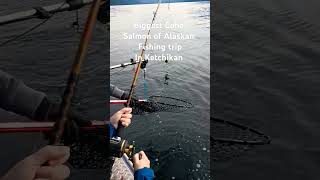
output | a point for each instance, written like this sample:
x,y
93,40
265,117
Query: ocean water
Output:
x,y
176,143
266,76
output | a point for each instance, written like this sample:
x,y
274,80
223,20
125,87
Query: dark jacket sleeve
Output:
x,y
16,97
112,130
116,92
144,174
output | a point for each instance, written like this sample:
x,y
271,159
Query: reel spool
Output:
x,y
119,147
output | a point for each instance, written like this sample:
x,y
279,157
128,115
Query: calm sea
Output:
x,y
266,75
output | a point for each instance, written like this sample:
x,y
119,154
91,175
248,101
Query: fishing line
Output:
x,y
31,29
134,81
23,34
75,24
145,86
160,103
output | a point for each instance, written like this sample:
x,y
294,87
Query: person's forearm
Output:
x,y
116,92
144,174
16,97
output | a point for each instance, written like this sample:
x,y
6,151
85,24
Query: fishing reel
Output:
x,y
144,64
119,147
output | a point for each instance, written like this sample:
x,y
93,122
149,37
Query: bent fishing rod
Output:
x,y
95,12
38,12
136,74
45,12
68,94
118,146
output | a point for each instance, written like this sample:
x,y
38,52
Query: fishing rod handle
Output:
x,y
120,130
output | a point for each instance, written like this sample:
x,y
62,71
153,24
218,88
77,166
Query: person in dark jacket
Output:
x,y
141,164
49,161
121,94
118,93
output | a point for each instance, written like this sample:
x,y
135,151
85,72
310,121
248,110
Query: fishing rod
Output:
x,y
44,12
60,123
125,101
16,127
95,13
47,12
132,62
118,147
136,74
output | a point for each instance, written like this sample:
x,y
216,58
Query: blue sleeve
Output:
x,y
112,131
144,174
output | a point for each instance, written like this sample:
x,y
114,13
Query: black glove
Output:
x,y
48,111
